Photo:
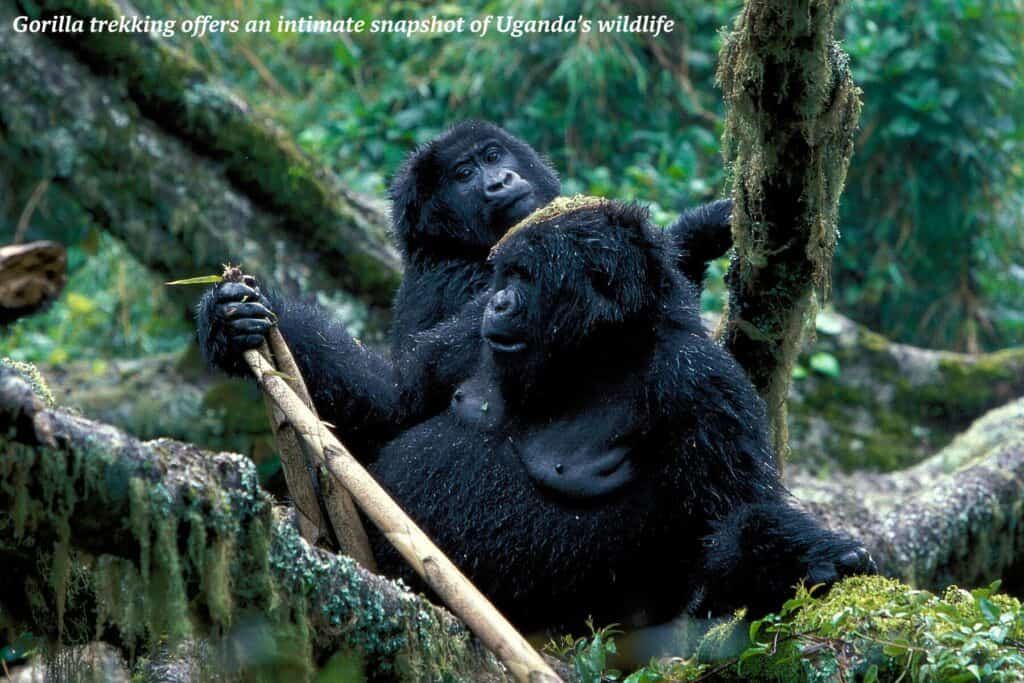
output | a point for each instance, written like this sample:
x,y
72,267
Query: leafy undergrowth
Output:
x,y
865,629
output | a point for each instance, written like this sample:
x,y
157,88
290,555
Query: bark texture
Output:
x,y
31,277
862,401
955,518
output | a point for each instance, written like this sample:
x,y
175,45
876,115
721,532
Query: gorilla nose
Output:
x,y
500,184
503,302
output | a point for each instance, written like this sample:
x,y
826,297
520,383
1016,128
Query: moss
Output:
x,y
559,206
874,622
871,627
34,377
238,407
969,385
892,405
844,425
192,547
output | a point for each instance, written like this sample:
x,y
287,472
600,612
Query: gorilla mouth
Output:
x,y
503,343
517,207
515,199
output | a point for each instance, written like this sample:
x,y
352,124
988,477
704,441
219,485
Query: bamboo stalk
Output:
x,y
308,488
458,593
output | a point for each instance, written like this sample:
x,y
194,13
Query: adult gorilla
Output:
x,y
605,457
451,202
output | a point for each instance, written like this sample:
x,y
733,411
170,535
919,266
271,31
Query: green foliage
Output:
x,y
825,363
933,248
639,118
866,628
111,306
878,629
932,216
589,655
360,101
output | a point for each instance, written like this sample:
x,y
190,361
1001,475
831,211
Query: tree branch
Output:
x,y
890,405
957,517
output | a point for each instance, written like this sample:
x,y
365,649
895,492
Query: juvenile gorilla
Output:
x,y
451,201
605,458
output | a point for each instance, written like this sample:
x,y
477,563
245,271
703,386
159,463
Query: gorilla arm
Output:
x,y
366,396
353,388
701,235
760,543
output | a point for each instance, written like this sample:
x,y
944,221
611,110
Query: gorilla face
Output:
x,y
486,186
467,187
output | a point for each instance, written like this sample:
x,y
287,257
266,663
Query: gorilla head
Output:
x,y
464,189
582,280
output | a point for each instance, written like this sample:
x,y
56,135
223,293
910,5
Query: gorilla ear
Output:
x,y
625,268
413,185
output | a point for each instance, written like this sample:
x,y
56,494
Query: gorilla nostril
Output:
x,y
497,186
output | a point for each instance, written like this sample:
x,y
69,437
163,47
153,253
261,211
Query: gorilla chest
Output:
x,y
586,449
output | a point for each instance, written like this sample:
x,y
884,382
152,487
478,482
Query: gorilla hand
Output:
x,y
233,317
831,569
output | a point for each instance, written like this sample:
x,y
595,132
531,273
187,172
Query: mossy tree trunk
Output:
x,y
136,139
98,528
955,518
792,111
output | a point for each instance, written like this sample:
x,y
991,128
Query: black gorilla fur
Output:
x,y
451,201
605,457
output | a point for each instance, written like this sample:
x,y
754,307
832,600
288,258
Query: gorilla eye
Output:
x,y
492,154
521,273
463,173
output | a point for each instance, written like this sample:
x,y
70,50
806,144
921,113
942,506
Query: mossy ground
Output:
x,y
864,629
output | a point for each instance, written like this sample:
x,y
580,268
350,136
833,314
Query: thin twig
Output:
x,y
30,208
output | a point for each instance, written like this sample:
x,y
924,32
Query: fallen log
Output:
x,y
137,144
862,401
955,518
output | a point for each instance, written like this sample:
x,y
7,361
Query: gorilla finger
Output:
x,y
247,310
823,572
857,561
246,326
249,341
236,291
